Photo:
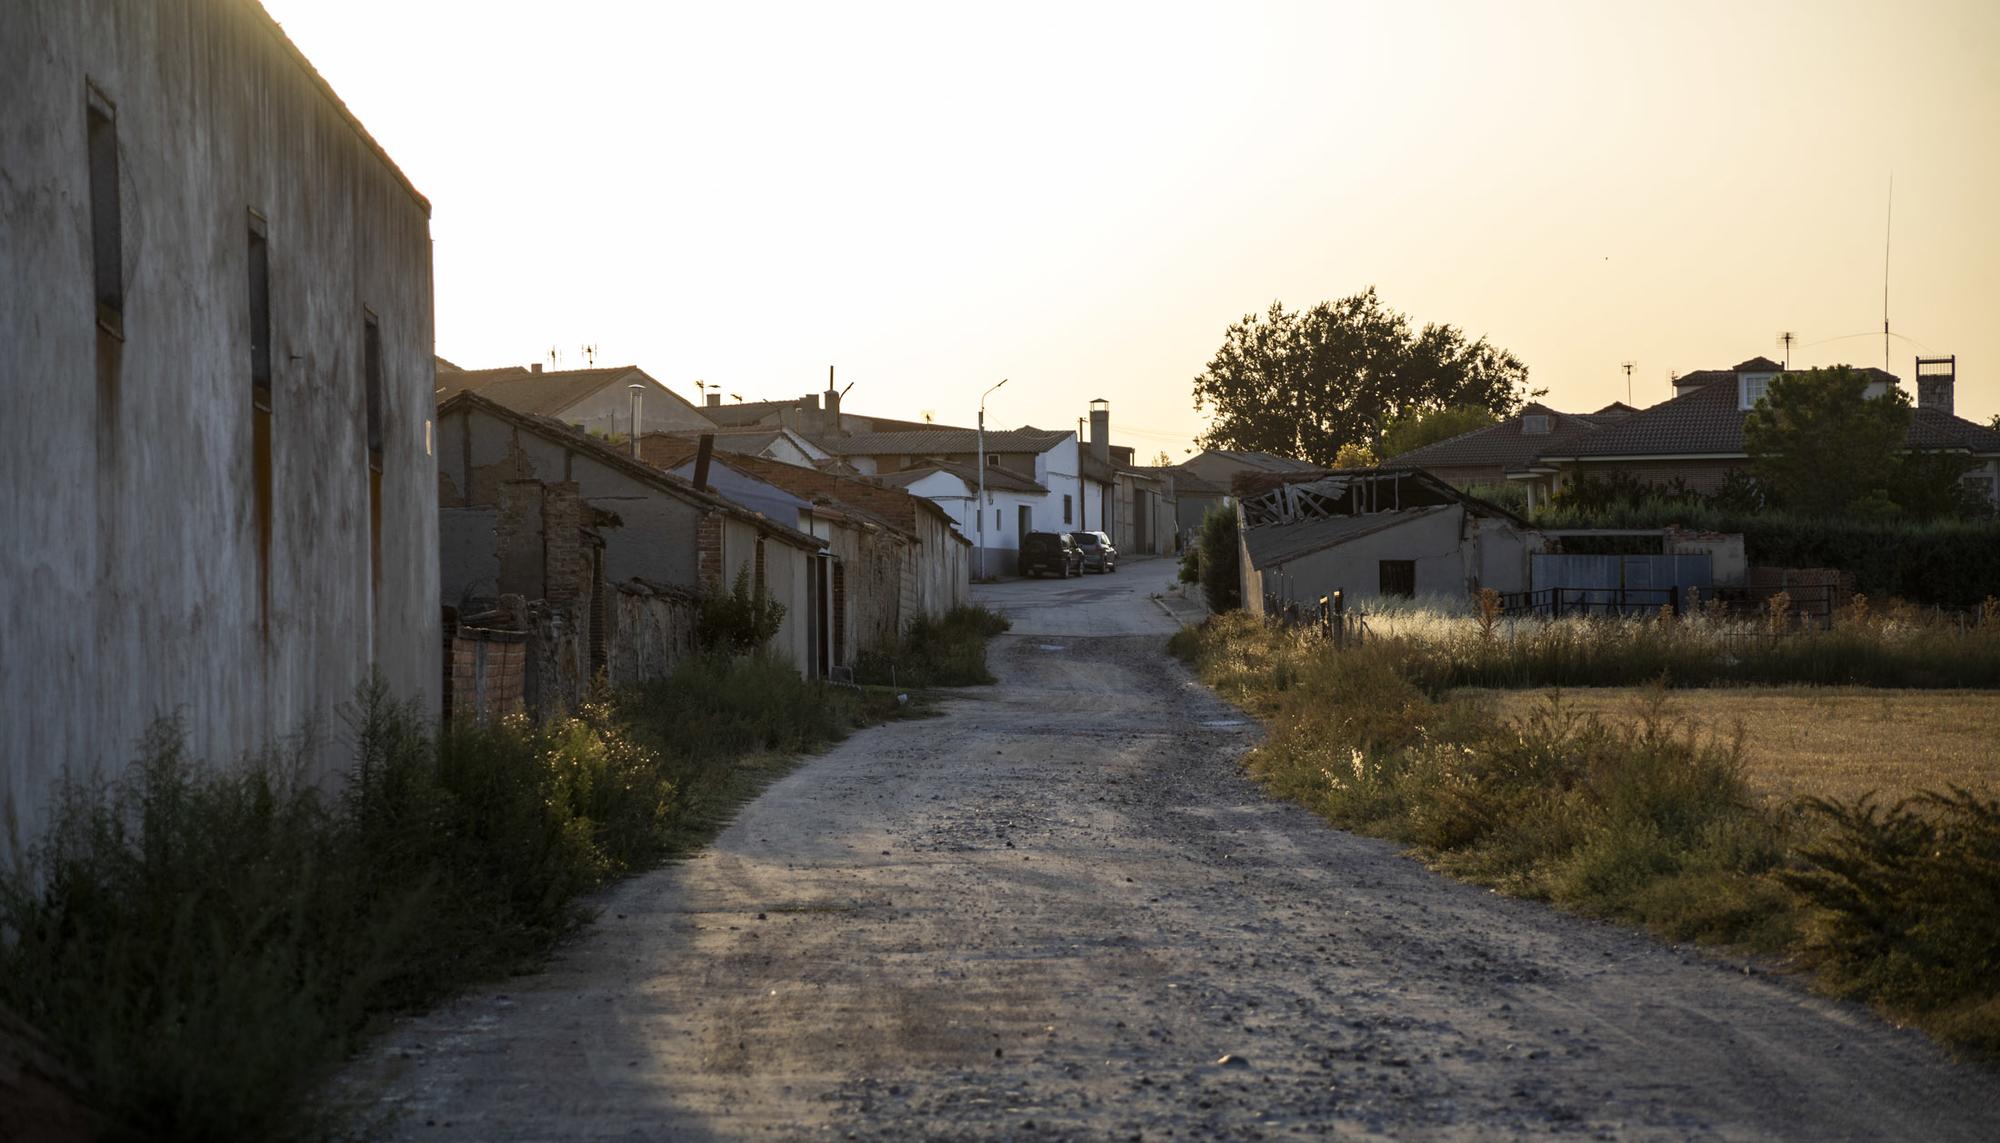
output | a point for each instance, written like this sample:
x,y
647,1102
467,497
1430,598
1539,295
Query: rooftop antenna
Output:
x,y
1627,367
1788,337
553,359
589,356
1887,224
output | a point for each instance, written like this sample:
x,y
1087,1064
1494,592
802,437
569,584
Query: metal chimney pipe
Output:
x,y
703,454
638,398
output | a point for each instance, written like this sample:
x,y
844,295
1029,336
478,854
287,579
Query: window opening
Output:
x,y
1399,578
107,238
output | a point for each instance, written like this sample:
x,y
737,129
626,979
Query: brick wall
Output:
x,y
708,551
565,568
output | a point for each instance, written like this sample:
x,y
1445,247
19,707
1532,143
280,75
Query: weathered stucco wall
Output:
x,y
1443,565
130,581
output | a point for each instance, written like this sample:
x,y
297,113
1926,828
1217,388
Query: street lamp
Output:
x,y
979,505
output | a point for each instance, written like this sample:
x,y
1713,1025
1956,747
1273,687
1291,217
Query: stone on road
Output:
x,y
1059,911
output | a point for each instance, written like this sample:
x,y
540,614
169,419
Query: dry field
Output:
x,y
1838,742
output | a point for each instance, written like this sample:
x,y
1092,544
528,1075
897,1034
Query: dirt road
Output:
x,y
1052,910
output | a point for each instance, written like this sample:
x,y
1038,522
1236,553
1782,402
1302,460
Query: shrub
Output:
x,y
741,620
946,652
1220,575
1190,571
206,944
1907,904
1650,822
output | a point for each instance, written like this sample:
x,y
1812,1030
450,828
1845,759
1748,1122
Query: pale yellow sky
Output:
x,y
1081,197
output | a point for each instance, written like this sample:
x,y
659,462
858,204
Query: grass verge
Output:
x,y
1649,820
204,945
947,652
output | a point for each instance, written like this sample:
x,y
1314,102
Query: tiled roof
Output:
x,y
742,413
1003,479
539,394
1264,461
1188,481
937,442
1507,443
1759,364
1709,420
893,506
561,434
1934,428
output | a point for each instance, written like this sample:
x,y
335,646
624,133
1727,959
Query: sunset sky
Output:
x,y
1081,197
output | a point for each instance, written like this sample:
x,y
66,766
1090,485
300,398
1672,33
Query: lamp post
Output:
x,y
979,505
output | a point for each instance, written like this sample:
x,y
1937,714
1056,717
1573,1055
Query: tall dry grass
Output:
x,y
204,944
1649,820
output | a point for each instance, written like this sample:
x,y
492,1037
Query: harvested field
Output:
x,y
1832,742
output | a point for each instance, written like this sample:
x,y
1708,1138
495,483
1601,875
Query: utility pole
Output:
x,y
1788,337
980,506
1627,366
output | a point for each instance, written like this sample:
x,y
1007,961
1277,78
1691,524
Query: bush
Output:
x,y
740,621
947,652
1190,571
204,945
1220,576
1907,904
1650,823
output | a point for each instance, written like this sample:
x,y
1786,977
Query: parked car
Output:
x,y
1097,551
1051,552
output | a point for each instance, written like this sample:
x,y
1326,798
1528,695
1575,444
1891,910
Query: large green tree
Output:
x,y
1821,445
1302,383
1418,427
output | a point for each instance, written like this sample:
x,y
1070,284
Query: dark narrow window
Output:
x,y
1066,509
259,258
371,372
1399,578
371,364
107,240
260,314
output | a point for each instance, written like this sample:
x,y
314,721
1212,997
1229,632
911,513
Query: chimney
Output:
x,y
1100,430
638,397
713,400
1937,377
535,368
832,402
703,454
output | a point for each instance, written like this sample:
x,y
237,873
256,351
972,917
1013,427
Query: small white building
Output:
x,y
1375,533
1014,506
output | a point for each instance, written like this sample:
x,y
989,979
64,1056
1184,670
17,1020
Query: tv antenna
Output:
x,y
1627,367
589,356
1787,338
1888,224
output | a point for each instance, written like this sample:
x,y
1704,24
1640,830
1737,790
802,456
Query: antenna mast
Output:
x,y
1627,366
1887,225
1788,337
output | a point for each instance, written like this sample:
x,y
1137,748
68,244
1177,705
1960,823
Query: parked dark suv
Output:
x,y
1098,553
1050,552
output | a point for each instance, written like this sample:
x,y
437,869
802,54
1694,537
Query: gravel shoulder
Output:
x,y
1051,910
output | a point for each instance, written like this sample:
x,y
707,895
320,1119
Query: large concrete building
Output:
x,y
216,481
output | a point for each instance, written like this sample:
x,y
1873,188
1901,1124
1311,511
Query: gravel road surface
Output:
x,y
1055,910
